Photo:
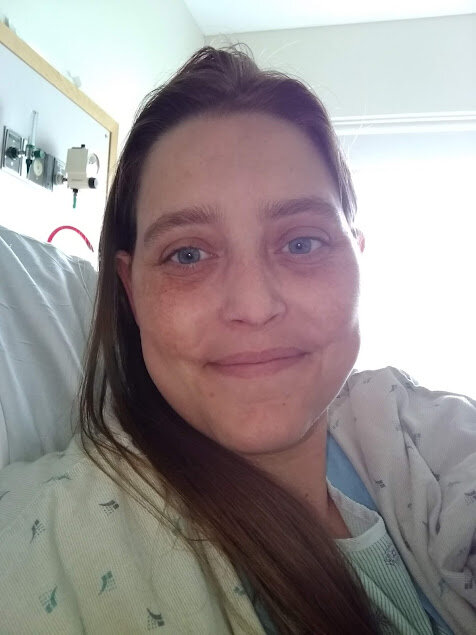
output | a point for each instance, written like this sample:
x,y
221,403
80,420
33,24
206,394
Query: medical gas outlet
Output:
x,y
81,168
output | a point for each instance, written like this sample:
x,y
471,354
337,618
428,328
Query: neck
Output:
x,y
301,469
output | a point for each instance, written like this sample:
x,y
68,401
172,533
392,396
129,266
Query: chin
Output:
x,y
264,437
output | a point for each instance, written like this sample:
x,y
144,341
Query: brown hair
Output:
x,y
272,539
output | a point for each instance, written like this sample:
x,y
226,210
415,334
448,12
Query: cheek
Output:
x,y
329,299
170,319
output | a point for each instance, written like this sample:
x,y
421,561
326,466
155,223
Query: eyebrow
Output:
x,y
208,215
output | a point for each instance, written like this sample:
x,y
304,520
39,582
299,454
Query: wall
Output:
x,y
406,66
120,50
25,206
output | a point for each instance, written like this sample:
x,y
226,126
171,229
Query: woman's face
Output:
x,y
242,247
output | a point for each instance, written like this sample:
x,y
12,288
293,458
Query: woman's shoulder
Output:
x,y
67,485
78,553
62,512
25,484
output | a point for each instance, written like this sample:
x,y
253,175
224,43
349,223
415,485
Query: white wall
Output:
x,y
26,207
406,66
119,49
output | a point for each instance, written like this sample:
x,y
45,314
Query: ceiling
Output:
x,y
240,16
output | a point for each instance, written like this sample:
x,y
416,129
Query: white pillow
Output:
x,y
46,300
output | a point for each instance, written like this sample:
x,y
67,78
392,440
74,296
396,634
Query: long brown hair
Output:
x,y
272,539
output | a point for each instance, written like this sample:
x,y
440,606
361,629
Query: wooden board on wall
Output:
x,y
61,83
66,118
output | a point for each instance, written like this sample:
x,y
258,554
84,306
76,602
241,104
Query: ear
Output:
x,y
124,271
360,238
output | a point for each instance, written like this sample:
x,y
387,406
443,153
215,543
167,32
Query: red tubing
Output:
x,y
75,229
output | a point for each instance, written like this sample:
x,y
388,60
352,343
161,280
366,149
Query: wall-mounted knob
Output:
x,y
14,153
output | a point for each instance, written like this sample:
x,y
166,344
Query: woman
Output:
x,y
225,329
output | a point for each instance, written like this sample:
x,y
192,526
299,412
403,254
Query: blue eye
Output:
x,y
302,245
186,255
190,256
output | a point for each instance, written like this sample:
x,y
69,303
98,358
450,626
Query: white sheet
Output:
x,y
46,300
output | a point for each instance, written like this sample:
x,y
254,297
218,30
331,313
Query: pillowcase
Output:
x,y
46,303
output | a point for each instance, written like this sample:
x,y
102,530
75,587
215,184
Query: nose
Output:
x,y
251,294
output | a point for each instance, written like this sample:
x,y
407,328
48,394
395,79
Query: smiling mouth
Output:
x,y
257,369
254,357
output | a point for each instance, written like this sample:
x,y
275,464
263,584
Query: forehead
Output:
x,y
235,162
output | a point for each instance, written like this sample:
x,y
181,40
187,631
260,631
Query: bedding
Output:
x,y
46,301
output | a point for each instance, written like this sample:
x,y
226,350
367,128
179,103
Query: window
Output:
x,y
417,208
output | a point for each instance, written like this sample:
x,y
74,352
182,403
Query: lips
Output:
x,y
260,357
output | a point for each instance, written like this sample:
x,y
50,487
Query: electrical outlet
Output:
x,y
12,145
